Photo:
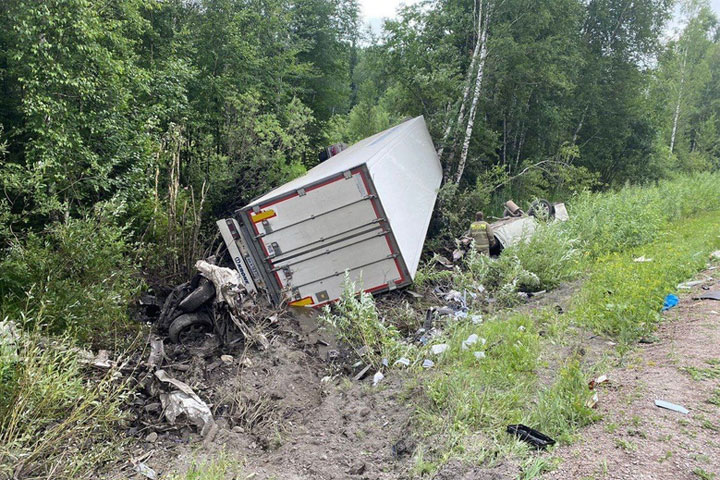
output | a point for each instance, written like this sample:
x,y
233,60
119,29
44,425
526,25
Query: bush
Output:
x,y
358,325
79,274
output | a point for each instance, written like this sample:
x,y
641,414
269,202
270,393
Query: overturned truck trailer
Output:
x,y
364,211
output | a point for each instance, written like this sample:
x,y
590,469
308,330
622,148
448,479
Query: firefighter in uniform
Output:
x,y
482,234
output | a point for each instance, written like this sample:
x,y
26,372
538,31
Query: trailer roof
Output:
x,y
364,151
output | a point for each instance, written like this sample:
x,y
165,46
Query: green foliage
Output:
x,y
220,467
79,274
622,298
54,422
358,325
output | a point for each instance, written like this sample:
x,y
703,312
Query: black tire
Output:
x,y
195,299
189,325
542,209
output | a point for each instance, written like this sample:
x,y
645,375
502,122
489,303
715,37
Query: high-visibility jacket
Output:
x,y
483,235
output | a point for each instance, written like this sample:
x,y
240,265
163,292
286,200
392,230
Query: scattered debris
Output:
x,y
362,373
671,300
597,381
145,471
479,355
439,348
402,361
444,262
710,295
227,359
226,281
715,255
427,363
414,294
377,378
642,259
592,401
476,319
151,437
102,360
471,340
689,285
157,352
672,406
531,436
184,401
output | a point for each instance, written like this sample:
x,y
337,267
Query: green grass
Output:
x,y
221,467
622,299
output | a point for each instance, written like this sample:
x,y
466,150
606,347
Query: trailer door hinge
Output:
x,y
347,174
301,192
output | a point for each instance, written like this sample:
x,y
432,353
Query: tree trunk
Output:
x,y
468,82
476,96
677,104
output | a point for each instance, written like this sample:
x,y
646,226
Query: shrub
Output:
x,y
358,325
79,274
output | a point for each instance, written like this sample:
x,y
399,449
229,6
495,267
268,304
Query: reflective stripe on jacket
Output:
x,y
482,234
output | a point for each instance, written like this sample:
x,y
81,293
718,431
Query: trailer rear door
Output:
x,y
310,237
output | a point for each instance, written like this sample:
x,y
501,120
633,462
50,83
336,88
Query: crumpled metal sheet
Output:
x,y
184,401
511,231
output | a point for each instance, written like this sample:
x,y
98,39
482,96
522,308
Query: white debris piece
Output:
x,y
476,319
642,259
377,378
521,328
145,471
184,401
479,355
227,282
471,340
715,255
688,285
427,363
102,359
227,359
439,348
402,361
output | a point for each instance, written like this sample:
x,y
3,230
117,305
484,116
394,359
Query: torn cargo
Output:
x,y
364,211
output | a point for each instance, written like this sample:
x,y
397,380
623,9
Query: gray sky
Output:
x,y
375,10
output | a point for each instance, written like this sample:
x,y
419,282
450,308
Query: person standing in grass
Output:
x,y
481,232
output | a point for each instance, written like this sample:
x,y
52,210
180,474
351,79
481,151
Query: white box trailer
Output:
x,y
364,211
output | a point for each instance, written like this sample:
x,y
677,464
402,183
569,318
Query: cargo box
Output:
x,y
364,211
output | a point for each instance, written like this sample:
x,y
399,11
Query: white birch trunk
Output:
x,y
677,104
476,96
468,82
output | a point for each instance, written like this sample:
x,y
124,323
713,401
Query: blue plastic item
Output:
x,y
670,301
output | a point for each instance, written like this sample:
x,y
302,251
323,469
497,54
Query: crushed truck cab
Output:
x,y
364,211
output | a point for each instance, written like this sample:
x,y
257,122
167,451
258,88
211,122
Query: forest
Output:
x,y
128,127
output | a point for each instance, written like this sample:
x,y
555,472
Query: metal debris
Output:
x,y
145,471
672,406
688,285
362,373
402,361
227,359
377,378
157,352
427,363
184,401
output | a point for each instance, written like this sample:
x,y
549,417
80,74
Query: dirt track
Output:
x,y
636,439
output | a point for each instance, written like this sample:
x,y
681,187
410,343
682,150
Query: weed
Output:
x,y
218,468
715,397
700,473
699,374
626,445
534,467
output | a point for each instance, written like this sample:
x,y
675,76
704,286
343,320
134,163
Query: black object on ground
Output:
x,y
531,436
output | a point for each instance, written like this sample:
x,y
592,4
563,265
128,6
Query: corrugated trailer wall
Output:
x,y
364,212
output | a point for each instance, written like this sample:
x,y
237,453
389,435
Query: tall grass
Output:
x,y
55,421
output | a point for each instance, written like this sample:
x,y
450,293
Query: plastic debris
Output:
x,y
227,359
710,295
427,363
476,319
377,378
102,359
642,259
531,436
688,285
521,328
597,381
471,340
385,362
402,361
672,406
145,471
715,255
439,348
670,301
184,401
592,401
479,355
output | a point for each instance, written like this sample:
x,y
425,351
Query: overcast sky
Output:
x,y
375,10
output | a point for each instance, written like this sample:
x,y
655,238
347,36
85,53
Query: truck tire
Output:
x,y
542,208
189,325
195,299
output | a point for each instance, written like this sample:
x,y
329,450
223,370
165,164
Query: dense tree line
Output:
x,y
174,110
